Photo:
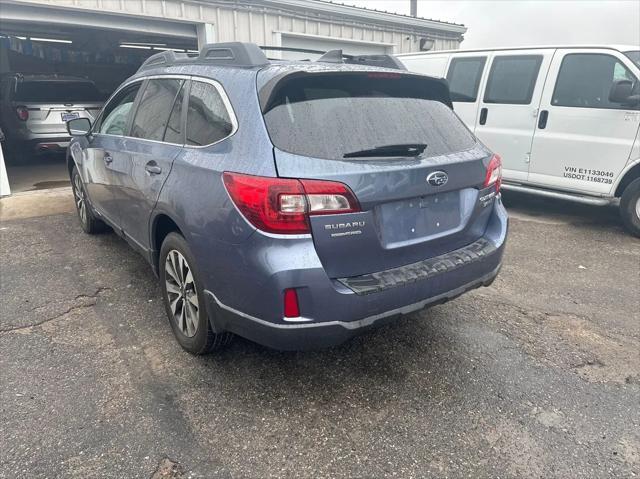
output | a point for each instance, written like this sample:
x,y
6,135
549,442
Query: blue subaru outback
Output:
x,y
292,203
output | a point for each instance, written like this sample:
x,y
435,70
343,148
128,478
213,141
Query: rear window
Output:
x,y
57,92
328,116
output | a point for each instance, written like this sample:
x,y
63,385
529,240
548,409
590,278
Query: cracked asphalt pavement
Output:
x,y
536,376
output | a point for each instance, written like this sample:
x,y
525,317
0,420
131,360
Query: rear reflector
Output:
x,y
494,173
283,205
291,308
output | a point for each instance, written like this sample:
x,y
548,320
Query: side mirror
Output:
x,y
621,92
79,126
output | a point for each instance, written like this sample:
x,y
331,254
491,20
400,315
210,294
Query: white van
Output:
x,y
565,120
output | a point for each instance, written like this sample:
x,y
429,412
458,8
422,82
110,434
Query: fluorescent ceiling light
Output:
x,y
140,47
51,40
145,44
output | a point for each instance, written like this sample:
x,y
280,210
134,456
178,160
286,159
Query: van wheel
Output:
x,y
630,207
89,223
184,299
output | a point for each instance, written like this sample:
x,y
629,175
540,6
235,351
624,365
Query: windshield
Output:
x,y
634,56
57,92
330,116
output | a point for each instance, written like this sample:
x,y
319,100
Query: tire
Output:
x,y
88,221
630,207
184,299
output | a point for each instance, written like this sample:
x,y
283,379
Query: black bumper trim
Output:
x,y
428,268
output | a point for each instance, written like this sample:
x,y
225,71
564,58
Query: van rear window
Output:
x,y
329,116
57,92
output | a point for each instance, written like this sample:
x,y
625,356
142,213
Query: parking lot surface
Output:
x,y
536,376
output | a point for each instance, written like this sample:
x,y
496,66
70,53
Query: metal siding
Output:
x,y
247,22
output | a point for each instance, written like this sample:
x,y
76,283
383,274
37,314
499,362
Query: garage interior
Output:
x,y
105,56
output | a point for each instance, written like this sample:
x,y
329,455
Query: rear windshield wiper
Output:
x,y
401,149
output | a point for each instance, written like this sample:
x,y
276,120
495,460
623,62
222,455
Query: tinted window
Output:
x,y
585,80
327,116
57,92
173,133
208,120
115,117
512,79
464,78
152,115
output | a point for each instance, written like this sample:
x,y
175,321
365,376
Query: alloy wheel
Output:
x,y
81,203
181,293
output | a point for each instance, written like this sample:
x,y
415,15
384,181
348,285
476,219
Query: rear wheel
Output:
x,y
89,223
184,298
630,207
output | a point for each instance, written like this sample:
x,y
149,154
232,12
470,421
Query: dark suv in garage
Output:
x,y
34,109
292,203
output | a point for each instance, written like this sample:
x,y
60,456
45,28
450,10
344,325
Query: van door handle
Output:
x,y
483,115
107,158
153,168
542,119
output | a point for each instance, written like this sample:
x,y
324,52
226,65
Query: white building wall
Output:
x,y
265,21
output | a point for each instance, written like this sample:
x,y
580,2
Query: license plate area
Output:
x,y
66,116
418,219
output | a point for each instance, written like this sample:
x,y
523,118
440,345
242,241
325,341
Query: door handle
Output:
x,y
107,158
542,119
153,168
483,115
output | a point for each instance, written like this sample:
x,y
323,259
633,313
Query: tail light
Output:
x,y
494,173
22,112
283,205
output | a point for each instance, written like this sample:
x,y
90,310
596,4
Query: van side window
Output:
x,y
115,116
464,78
585,80
152,116
208,120
512,79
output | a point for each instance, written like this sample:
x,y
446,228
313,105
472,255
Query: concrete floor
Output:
x,y
42,172
536,376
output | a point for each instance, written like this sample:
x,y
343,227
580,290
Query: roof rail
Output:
x,y
336,56
235,54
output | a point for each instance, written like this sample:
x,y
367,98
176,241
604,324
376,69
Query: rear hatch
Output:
x,y
415,169
51,103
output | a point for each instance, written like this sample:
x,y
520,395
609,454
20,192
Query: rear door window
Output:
x,y
57,91
585,80
173,132
329,116
464,78
152,115
208,119
512,79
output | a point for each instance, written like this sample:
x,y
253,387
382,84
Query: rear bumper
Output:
x,y
42,141
335,310
296,337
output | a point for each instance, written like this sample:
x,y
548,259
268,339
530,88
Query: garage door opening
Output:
x,y
52,73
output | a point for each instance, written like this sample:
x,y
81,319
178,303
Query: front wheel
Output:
x,y
89,223
184,298
630,207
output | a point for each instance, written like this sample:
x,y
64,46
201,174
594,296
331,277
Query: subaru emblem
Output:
x,y
437,178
